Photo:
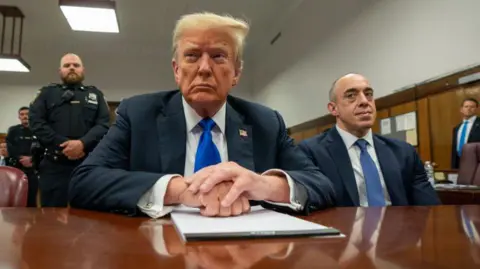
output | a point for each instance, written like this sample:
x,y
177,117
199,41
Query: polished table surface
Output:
x,y
406,237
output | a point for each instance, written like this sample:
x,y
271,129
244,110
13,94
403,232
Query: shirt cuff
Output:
x,y
293,202
151,203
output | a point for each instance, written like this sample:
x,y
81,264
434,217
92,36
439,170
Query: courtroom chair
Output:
x,y
13,187
469,173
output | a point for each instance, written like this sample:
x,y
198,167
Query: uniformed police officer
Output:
x,y
69,120
19,143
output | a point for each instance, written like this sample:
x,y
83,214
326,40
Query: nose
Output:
x,y
362,99
205,67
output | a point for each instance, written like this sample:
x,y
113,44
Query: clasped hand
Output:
x,y
73,149
224,190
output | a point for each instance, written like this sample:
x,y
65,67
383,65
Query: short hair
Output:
x,y
23,108
237,28
471,99
331,92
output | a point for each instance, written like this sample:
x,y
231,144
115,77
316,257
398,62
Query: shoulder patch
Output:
x,y
36,96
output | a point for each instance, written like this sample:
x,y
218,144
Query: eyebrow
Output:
x,y
356,89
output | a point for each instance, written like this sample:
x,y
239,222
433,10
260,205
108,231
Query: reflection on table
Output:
x,y
393,237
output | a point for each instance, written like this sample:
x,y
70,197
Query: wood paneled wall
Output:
x,y
437,105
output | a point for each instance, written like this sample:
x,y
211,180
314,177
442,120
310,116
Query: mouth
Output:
x,y
203,87
364,113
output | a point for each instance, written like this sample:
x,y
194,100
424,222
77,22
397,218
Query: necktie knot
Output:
x,y
207,124
362,144
465,122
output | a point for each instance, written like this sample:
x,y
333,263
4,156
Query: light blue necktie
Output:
x,y
372,178
2,162
463,137
207,153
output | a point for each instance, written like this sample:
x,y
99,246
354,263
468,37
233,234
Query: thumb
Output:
x,y
64,144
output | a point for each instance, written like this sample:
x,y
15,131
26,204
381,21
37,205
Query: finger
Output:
x,y
222,190
245,204
237,207
225,211
208,198
235,191
195,182
218,176
212,209
64,144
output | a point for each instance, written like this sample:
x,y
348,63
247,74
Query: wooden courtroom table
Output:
x,y
407,237
459,196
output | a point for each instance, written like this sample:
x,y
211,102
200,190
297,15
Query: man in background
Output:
x,y
466,132
4,159
19,143
69,119
366,169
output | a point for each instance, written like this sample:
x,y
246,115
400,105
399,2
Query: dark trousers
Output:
x,y
54,179
32,188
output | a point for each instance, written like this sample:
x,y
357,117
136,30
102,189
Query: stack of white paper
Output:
x,y
259,222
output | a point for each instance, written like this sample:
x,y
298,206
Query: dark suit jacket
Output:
x,y
403,172
148,140
473,137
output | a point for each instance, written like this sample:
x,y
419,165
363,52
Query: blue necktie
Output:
x,y
463,137
372,178
207,153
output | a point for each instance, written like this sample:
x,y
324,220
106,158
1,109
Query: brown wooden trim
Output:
x,y
411,94
394,99
113,103
325,120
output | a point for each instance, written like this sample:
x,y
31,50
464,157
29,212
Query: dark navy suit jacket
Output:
x,y
403,171
148,140
473,137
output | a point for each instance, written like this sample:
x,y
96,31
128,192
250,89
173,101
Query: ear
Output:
x,y
176,72
237,75
332,107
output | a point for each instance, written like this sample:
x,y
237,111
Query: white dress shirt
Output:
x,y
471,121
151,203
354,154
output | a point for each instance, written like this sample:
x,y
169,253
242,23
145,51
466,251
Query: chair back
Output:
x,y
13,187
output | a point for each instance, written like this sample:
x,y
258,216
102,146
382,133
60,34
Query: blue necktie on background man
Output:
x,y
463,137
207,153
375,195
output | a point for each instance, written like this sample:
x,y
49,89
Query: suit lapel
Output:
x,y
172,136
476,125
390,171
239,139
338,151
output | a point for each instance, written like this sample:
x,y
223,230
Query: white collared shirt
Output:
x,y
354,154
151,203
471,121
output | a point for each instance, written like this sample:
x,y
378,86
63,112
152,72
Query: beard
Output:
x,y
72,78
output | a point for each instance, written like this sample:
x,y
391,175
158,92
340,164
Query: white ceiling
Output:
x,y
139,56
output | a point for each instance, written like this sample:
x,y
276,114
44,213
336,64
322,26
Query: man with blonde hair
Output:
x,y
199,146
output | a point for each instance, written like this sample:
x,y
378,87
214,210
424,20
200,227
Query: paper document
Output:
x,y
259,222
385,126
400,123
410,121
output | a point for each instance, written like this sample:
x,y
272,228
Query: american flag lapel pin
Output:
x,y
243,133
